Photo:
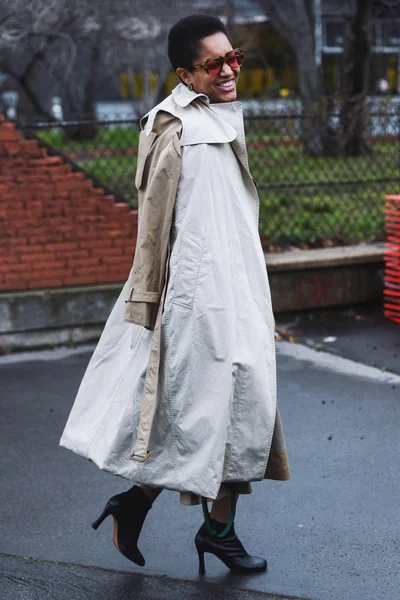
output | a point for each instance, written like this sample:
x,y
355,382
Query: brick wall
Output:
x,y
56,229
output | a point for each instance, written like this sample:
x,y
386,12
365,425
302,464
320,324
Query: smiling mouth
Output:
x,y
226,85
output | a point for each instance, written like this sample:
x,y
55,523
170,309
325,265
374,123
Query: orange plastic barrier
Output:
x,y
392,259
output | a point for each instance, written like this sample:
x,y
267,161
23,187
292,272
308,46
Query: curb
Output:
x,y
299,280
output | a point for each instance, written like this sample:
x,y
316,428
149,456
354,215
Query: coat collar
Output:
x,y
183,96
224,123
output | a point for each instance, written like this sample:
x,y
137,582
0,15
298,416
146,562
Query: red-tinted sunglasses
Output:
x,y
213,66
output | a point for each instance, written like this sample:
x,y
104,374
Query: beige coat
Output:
x,y
183,123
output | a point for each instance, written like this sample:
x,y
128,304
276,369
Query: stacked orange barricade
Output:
x,y
392,259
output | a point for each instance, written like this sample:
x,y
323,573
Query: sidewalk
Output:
x,y
331,533
360,333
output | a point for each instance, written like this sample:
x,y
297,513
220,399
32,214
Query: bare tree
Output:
x,y
350,141
295,20
69,44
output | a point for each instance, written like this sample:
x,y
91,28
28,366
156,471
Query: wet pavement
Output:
x,y
330,533
360,333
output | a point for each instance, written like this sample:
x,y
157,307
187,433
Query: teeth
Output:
x,y
227,84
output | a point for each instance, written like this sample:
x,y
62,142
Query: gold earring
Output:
x,y
190,87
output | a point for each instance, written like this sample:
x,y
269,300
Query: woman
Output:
x,y
181,395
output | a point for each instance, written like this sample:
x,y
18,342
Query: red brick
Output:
x,y
48,265
56,210
44,238
84,262
15,268
36,257
34,176
90,218
57,173
11,148
24,247
73,254
96,243
47,162
69,228
103,251
62,246
99,193
56,222
9,133
18,284
115,260
56,201
68,184
50,282
14,277
79,279
90,270
10,259
44,190
16,205
16,215
122,207
84,205
28,145
114,277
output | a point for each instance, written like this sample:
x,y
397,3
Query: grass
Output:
x,y
302,199
117,173
106,137
340,199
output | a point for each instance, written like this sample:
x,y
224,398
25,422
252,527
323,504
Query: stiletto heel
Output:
x,y
129,511
106,512
222,541
202,568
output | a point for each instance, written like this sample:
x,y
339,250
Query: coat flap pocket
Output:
x,y
189,261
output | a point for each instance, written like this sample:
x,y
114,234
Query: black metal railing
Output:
x,y
305,200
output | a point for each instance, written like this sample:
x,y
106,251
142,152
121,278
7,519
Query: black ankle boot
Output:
x,y
229,549
129,511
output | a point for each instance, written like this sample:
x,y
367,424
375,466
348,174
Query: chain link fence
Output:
x,y
305,201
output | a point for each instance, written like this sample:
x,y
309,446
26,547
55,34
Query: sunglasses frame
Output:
x,y
204,65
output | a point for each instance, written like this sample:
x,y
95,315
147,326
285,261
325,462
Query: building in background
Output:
x,y
271,70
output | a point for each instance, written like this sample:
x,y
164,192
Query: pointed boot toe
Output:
x,y
229,549
129,511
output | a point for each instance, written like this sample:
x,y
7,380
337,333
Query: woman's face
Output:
x,y
220,87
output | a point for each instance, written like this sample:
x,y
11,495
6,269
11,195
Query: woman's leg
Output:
x,y
217,536
221,509
151,492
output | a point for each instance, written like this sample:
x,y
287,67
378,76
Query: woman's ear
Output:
x,y
184,75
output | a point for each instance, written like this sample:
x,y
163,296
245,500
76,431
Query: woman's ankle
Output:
x,y
151,493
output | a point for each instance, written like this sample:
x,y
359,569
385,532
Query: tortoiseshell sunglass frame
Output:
x,y
237,52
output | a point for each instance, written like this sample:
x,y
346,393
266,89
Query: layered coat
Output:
x,y
181,390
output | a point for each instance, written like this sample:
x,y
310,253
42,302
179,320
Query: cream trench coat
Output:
x,y
172,398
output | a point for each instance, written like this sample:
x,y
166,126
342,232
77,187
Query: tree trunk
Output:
x,y
23,81
352,142
294,21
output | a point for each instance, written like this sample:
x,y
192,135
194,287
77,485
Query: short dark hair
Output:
x,y
185,36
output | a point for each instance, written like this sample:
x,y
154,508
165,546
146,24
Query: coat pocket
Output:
x,y
189,261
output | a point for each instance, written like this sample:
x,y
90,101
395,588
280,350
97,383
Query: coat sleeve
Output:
x,y
157,178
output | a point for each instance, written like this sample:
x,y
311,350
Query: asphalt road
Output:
x,y
331,533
